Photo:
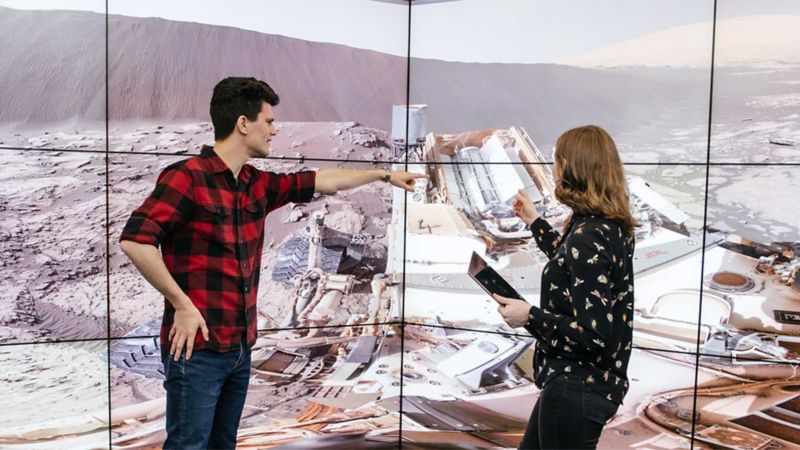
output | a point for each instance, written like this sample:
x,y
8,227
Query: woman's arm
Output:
x,y
546,237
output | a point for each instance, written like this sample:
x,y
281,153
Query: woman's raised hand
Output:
x,y
523,208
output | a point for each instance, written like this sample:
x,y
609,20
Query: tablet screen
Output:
x,y
489,279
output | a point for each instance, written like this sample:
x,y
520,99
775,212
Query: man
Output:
x,y
207,213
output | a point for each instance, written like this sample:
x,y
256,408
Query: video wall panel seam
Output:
x,y
388,162
108,228
705,212
405,223
49,150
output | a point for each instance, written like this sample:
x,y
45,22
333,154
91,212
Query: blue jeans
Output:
x,y
205,398
568,415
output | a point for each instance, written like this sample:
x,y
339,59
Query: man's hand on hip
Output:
x,y
184,329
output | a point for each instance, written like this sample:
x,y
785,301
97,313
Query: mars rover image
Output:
x,y
422,356
370,333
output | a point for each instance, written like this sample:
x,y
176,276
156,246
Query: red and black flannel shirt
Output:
x,y
211,232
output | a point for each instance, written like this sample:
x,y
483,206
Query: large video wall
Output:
x,y
377,336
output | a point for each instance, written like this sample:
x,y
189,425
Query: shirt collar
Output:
x,y
215,164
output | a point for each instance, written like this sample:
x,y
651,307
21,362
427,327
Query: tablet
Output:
x,y
489,279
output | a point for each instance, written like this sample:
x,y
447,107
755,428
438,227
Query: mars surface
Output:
x,y
370,332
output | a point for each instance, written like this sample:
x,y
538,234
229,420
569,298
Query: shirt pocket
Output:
x,y
253,216
215,223
254,211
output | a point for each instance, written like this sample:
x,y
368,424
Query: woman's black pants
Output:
x,y
568,415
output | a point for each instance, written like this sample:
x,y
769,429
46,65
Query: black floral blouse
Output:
x,y
584,324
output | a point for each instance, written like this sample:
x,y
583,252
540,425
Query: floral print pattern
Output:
x,y
584,327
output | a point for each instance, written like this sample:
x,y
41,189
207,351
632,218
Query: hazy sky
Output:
x,y
463,30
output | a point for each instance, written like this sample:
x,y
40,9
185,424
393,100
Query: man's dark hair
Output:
x,y
238,96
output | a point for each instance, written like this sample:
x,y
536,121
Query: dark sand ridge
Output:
x,y
157,68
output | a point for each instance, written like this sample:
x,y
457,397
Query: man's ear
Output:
x,y
241,124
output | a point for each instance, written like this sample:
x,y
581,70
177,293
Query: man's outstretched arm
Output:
x,y
330,181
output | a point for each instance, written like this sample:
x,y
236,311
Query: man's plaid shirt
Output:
x,y
211,232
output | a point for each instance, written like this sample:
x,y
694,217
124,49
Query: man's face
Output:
x,y
260,132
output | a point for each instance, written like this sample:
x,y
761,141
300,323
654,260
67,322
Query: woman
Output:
x,y
584,324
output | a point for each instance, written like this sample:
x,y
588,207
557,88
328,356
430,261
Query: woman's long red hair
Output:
x,y
592,179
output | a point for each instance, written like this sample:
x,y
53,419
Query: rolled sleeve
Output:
x,y
296,187
167,207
